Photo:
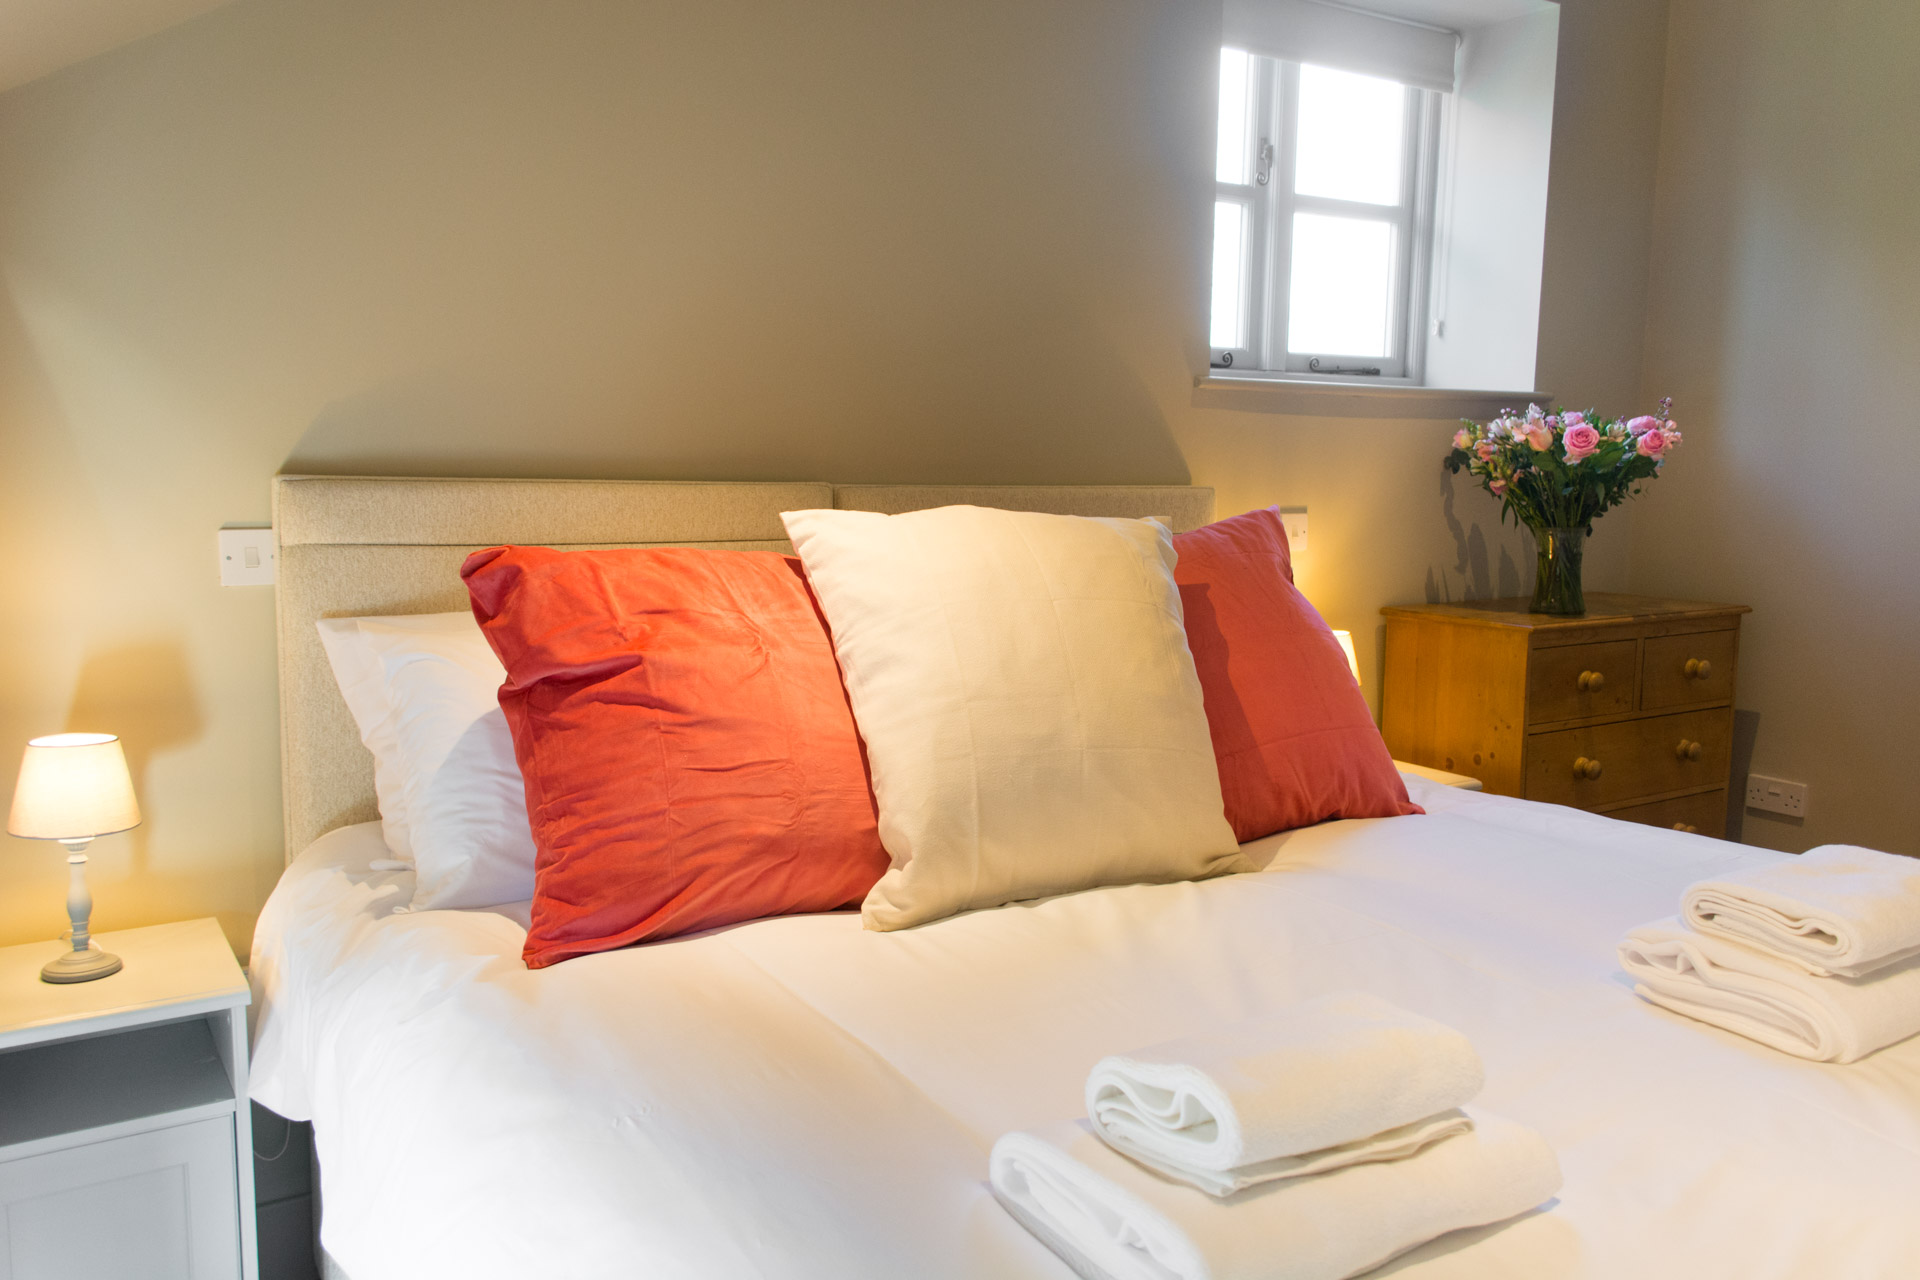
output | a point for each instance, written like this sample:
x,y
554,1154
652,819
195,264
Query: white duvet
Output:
x,y
799,1097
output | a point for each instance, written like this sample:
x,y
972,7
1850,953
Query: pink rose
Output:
x,y
1642,424
1653,444
1581,441
1462,438
1538,436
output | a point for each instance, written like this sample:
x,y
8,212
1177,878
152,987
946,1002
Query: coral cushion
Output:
x,y
1292,735
689,756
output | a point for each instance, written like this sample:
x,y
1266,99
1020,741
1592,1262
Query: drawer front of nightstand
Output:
x,y
1576,681
1679,671
1704,814
1610,763
160,1205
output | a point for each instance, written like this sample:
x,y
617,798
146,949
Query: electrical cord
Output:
x,y
286,1140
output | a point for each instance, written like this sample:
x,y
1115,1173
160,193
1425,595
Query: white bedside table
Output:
x,y
126,1147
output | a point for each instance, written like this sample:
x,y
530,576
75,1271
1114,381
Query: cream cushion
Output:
x,y
1030,710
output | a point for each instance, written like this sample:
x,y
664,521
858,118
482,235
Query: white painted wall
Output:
x,y
859,241
1784,317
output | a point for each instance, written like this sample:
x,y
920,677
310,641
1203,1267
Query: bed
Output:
x,y
799,1097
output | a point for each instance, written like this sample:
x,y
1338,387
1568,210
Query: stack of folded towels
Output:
x,y
1817,956
1312,1145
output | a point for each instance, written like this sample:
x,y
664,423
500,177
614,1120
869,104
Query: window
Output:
x,y
1323,216
1380,202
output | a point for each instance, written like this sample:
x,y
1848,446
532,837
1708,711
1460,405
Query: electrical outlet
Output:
x,y
1294,520
1776,795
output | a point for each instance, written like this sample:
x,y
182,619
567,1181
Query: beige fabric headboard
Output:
x,y
351,546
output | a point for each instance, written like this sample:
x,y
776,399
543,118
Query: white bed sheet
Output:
x,y
799,1097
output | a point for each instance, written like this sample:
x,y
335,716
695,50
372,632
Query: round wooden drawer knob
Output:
x,y
1687,750
1699,669
1585,768
1591,681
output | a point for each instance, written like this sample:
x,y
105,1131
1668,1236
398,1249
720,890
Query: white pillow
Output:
x,y
424,691
363,685
1029,705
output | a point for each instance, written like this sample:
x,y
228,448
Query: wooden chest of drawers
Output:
x,y
1626,710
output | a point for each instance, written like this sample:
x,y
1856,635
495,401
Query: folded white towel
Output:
x,y
1111,1219
1394,1144
1322,1074
1836,909
1758,995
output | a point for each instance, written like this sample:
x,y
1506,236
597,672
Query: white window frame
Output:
x,y
1273,107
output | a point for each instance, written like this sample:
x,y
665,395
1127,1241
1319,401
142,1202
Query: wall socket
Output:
x,y
1776,795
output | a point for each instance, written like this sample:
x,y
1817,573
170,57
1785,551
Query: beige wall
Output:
x,y
866,241
1785,317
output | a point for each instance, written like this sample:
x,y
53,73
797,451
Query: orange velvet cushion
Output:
x,y
1292,735
689,756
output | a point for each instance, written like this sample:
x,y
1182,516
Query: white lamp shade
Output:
x,y
73,786
1346,646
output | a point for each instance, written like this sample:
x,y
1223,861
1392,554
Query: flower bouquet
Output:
x,y
1556,473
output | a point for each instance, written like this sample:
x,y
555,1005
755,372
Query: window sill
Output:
x,y
1321,398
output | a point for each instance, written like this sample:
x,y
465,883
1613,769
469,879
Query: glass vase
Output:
x,y
1556,583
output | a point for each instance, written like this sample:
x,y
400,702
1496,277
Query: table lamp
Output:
x,y
1346,646
74,787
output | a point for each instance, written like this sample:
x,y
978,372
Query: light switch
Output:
x,y
1295,520
246,556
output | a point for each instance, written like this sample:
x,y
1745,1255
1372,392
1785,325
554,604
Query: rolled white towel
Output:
x,y
1394,1144
1111,1219
1758,995
1838,909
1323,1074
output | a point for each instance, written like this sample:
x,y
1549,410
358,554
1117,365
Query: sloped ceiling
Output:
x,y
41,36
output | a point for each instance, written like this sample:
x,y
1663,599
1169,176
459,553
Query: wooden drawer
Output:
x,y
1671,674
1636,758
1561,681
1491,689
1705,813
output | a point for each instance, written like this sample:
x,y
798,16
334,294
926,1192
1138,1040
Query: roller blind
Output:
x,y
1350,39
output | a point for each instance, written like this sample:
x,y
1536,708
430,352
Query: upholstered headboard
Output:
x,y
351,546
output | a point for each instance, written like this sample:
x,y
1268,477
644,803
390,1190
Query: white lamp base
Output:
x,y
84,962
81,966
